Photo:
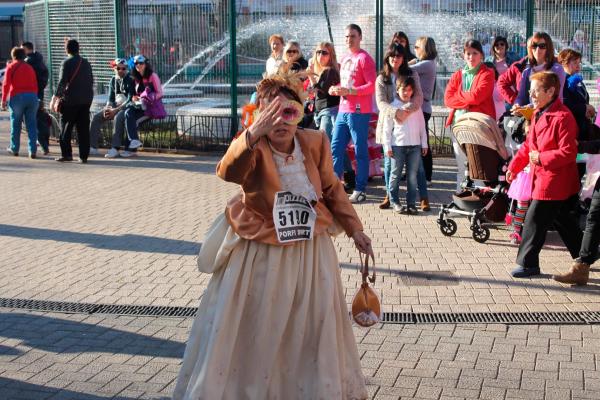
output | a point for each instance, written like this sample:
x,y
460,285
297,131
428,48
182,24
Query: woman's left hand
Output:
x,y
363,243
534,157
3,106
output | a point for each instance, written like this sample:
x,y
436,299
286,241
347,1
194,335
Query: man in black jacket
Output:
x,y
121,91
76,88
36,60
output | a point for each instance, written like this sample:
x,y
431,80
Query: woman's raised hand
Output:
x,y
268,118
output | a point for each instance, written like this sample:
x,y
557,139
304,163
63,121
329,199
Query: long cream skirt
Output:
x,y
272,324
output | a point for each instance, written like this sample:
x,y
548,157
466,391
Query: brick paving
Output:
x,y
127,231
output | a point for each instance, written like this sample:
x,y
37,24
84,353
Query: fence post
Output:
x,y
233,75
530,18
378,33
118,49
49,61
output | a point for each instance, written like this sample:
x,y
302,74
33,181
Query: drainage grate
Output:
x,y
532,318
590,317
428,278
43,305
87,308
397,318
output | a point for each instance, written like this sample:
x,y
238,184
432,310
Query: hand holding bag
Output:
x,y
366,309
57,101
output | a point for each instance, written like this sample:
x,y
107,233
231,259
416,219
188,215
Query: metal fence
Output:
x,y
189,44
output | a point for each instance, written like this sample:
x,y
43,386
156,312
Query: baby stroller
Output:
x,y
484,203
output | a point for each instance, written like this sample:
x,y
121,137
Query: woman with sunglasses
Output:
x,y
323,72
470,89
500,55
424,65
144,77
273,322
540,57
396,67
293,58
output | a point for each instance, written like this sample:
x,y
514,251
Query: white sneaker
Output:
x,y
135,144
357,197
112,153
397,208
128,154
94,151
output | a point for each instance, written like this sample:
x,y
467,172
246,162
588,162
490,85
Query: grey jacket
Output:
x,y
427,74
385,93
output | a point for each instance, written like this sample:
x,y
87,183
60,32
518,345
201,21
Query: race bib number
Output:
x,y
294,217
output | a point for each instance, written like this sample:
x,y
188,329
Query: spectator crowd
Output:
x,y
390,110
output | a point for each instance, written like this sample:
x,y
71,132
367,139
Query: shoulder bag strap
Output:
x,y
74,74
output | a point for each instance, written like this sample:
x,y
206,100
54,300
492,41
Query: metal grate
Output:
x,y
533,318
88,308
397,318
590,317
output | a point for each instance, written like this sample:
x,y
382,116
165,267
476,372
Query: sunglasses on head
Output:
x,y
323,52
291,51
541,46
140,62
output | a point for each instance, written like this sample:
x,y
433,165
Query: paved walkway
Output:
x,y
127,231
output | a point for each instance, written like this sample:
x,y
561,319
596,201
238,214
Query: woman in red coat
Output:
x,y
470,89
550,149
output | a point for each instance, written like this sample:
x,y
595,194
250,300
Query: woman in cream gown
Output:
x,y
273,322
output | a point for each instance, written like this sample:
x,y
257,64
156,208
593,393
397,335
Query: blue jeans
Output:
x,y
134,117
387,170
411,156
356,127
23,105
325,119
421,180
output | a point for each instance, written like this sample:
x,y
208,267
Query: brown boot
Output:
x,y
385,204
577,275
425,205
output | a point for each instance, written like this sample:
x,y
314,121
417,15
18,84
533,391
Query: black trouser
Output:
x,y
540,216
591,236
428,159
42,119
75,116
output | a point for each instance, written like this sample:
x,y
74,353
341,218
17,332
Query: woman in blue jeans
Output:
x,y
323,73
144,77
20,89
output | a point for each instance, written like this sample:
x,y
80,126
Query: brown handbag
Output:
x,y
366,309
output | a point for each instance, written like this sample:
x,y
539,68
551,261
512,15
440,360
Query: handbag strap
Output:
x,y
74,74
364,267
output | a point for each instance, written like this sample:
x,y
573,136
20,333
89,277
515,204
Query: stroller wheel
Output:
x,y
481,234
448,227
